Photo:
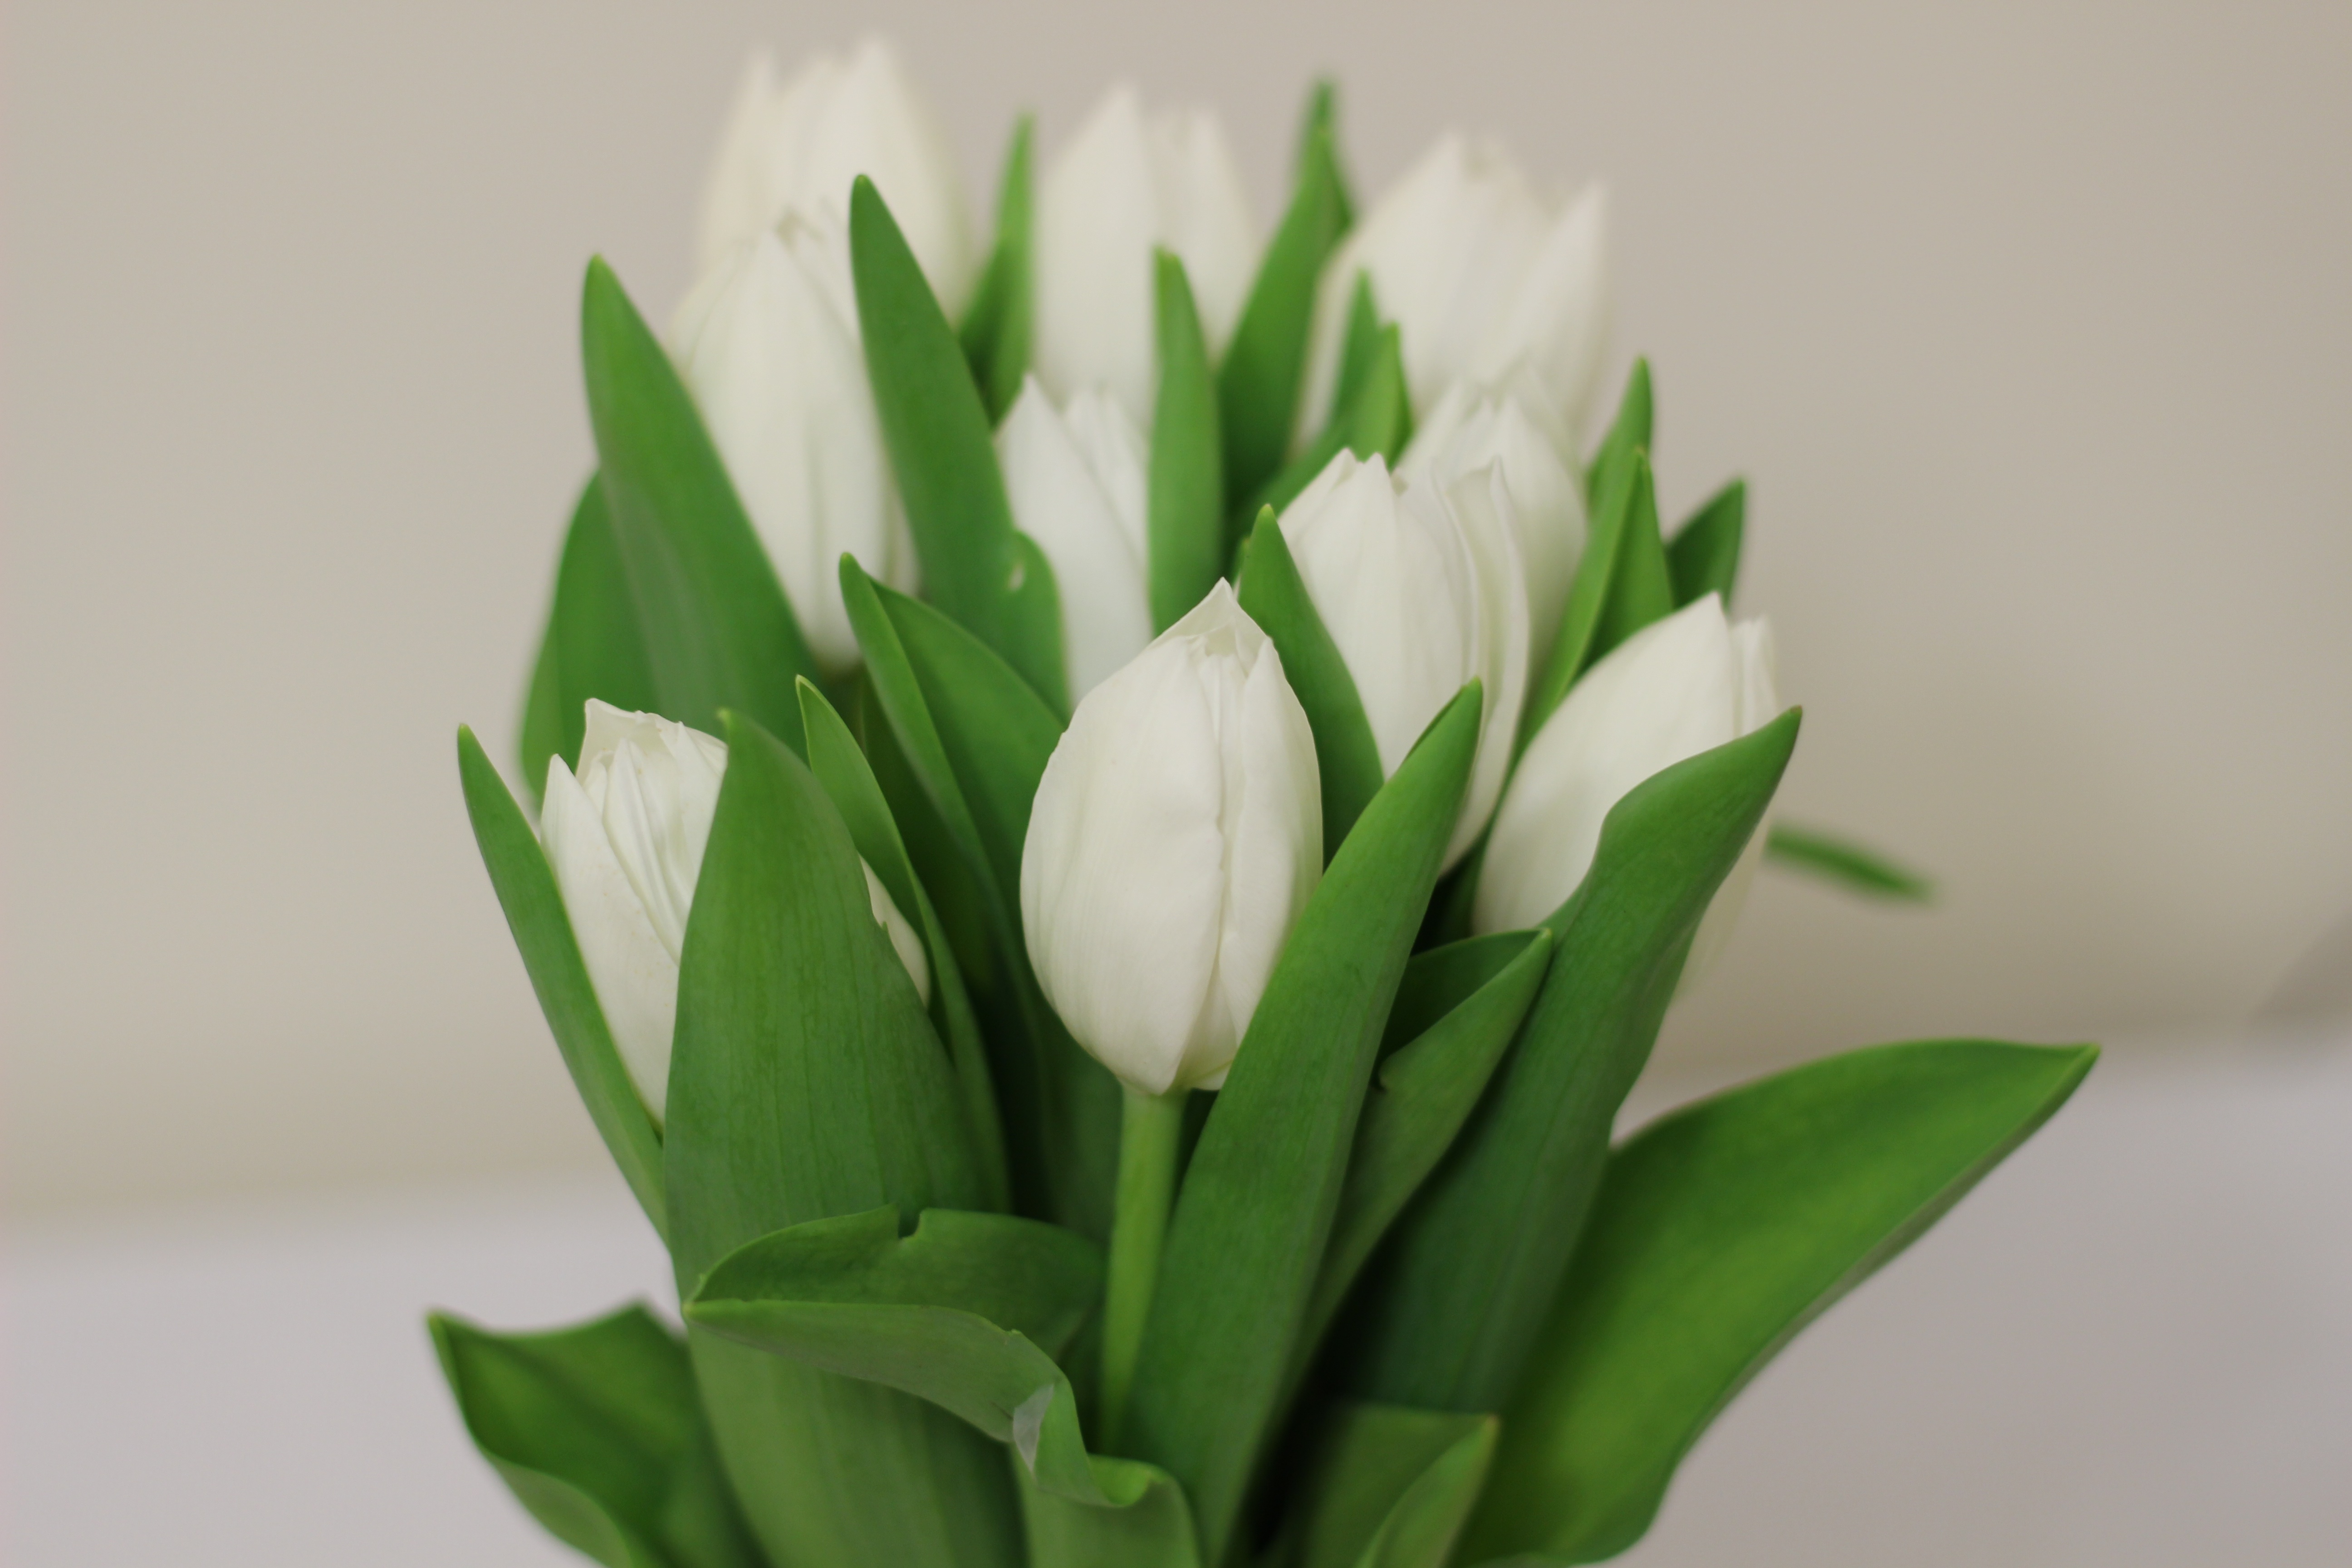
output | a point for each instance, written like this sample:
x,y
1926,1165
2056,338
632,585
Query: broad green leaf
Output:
x,y
1321,123
1455,1014
1588,600
1345,754
1848,865
592,646
997,324
1630,432
599,1432
1264,1182
1642,589
1388,1487
1379,415
543,713
1360,347
1452,1306
944,460
1185,516
1145,1524
717,633
805,1083
848,781
542,933
1720,1231
1265,368
976,739
1704,552
1372,413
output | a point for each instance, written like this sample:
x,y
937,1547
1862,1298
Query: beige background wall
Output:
x,y
2031,326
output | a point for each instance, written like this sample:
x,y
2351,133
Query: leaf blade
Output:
x,y
1705,551
997,326
1185,525
1847,864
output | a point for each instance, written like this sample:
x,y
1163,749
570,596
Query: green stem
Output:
x,y
1147,1188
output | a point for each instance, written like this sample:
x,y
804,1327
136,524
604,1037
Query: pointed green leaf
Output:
x,y
1276,599
1379,415
842,772
1389,1488
1360,347
1642,589
997,324
1264,369
1321,123
1723,1229
599,1432
1588,600
1258,1197
1145,1524
1630,432
717,633
1704,552
542,933
592,646
1847,864
1185,519
807,1082
541,734
1372,412
943,458
1453,1305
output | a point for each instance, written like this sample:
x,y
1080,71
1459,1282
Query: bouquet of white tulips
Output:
x,y
1116,824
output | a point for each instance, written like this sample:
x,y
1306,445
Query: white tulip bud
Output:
x,y
1077,481
1418,587
1677,687
1480,273
1123,186
798,146
767,345
1473,427
1174,840
624,838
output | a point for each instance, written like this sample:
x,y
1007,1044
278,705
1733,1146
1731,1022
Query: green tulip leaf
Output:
x,y
937,431
1453,1305
1846,864
1720,1231
1379,415
592,648
1629,432
997,324
805,1083
1705,551
1388,1487
598,1432
1371,412
1142,1522
1588,594
848,781
976,740
1457,1012
1349,762
1185,516
1256,1205
550,954
717,633
1642,589
1321,123
1264,369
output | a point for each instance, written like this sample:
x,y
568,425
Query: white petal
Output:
x,y
1204,217
1758,704
1557,315
1096,220
1481,505
904,940
1075,512
735,198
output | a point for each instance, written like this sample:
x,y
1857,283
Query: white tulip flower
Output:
x,y
1174,840
624,838
798,146
1420,587
1474,426
1480,272
1078,480
768,344
1122,187
1678,686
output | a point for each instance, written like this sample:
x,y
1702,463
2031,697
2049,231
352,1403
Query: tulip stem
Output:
x,y
1149,1132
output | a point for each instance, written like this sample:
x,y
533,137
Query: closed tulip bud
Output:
x,y
1076,479
1418,587
767,345
1174,840
1675,688
625,837
798,146
1122,187
1481,272
1474,428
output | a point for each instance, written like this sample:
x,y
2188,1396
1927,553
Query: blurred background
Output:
x,y
2031,327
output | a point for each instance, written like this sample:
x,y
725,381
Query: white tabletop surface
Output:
x,y
2133,1345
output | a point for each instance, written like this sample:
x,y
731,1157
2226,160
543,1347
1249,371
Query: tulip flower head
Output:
x,y
624,837
1675,688
767,343
1077,477
1480,272
1124,187
1418,586
798,145
1174,840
